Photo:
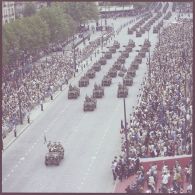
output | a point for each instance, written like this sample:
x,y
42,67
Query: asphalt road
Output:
x,y
90,139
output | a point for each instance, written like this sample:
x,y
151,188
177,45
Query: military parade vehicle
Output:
x,y
142,54
121,73
155,29
84,81
112,49
108,55
127,80
131,43
97,66
138,34
144,49
102,61
89,104
106,81
147,43
128,48
73,92
138,59
116,44
117,65
123,69
91,73
135,64
125,54
131,72
122,91
121,59
98,91
55,154
112,72
142,30
130,31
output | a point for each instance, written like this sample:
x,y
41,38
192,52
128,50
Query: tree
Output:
x,y
29,9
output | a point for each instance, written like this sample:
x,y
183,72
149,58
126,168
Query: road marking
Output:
x,y
8,175
16,166
22,158
12,170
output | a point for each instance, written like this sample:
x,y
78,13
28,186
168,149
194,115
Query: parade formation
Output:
x,y
117,84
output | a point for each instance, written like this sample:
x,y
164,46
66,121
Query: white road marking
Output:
x,y
8,175
22,158
16,166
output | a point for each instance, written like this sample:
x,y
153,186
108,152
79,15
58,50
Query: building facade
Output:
x,y
8,11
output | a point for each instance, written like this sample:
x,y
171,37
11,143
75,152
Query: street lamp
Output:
x,y
74,54
125,128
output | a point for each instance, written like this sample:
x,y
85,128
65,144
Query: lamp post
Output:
x,y
74,54
102,32
20,108
149,60
125,130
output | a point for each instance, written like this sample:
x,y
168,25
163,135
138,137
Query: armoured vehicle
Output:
x,y
89,104
142,54
73,92
122,91
125,54
117,66
84,81
106,81
112,49
121,59
121,73
97,66
144,49
127,80
138,34
98,91
147,43
142,30
55,154
102,61
138,59
128,48
112,72
131,72
155,30
130,31
108,55
116,44
135,64
131,43
90,73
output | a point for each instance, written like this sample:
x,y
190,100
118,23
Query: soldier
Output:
x,y
49,145
95,86
87,98
70,87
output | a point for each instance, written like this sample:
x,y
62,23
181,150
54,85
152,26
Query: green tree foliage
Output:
x,y
50,25
29,9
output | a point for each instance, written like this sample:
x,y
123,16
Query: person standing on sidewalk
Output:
x,y
45,139
15,132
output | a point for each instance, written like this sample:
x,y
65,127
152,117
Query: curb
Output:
x,y
14,138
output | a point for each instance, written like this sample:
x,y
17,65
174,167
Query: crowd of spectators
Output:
x,y
161,124
29,85
166,179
